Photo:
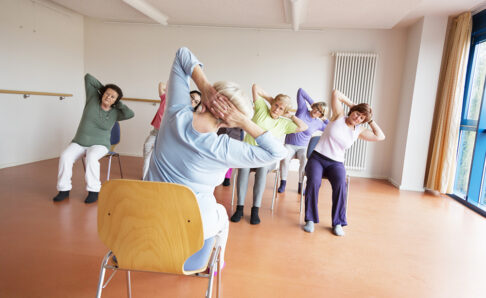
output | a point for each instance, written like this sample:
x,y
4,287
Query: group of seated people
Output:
x,y
185,147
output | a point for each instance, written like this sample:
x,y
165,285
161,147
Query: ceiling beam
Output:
x,y
295,12
148,10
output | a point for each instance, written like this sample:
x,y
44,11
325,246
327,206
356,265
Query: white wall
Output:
x,y
280,61
48,48
41,49
429,35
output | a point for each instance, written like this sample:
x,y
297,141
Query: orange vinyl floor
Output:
x,y
397,244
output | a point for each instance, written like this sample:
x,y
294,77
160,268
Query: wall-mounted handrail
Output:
x,y
154,101
29,93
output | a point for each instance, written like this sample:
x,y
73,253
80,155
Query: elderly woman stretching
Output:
x,y
101,110
296,143
188,151
328,156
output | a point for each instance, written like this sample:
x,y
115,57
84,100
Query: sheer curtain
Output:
x,y
442,164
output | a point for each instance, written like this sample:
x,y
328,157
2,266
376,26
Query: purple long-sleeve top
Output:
x,y
302,138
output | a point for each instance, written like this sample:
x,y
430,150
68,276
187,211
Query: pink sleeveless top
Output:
x,y
336,138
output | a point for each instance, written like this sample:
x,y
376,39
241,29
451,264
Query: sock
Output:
x,y
299,189
226,182
309,226
92,197
62,195
238,214
282,186
254,219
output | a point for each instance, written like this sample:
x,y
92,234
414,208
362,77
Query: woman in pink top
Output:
x,y
327,159
148,146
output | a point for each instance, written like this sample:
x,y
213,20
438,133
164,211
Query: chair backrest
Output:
x,y
312,144
115,135
149,226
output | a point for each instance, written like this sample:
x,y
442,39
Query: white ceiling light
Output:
x,y
148,10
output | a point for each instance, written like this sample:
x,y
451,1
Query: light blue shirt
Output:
x,y
200,160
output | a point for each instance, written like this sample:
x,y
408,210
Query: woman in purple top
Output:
x,y
296,143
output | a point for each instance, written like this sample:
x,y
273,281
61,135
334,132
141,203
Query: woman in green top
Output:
x,y
269,119
102,109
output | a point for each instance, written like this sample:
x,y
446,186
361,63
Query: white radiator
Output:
x,y
354,75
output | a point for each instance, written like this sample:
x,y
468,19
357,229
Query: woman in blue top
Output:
x,y
296,143
188,151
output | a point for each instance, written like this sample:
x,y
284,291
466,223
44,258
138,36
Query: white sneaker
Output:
x,y
309,226
338,230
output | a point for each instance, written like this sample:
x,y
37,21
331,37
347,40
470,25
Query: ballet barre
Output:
x,y
27,94
153,101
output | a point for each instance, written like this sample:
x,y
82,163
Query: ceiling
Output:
x,y
277,14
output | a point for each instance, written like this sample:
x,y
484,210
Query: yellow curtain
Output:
x,y
443,159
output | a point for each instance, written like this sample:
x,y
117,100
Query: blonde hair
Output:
x,y
234,93
283,98
322,107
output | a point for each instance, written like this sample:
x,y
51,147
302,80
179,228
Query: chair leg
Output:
x,y
102,274
119,163
213,262
109,168
304,181
275,183
129,285
218,280
235,176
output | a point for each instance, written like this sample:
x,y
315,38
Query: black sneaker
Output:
x,y
61,196
92,197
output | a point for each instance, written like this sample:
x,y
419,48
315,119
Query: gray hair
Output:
x,y
234,93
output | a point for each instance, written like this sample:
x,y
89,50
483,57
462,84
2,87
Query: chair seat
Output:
x,y
199,261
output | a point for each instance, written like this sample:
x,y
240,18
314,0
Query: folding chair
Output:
x,y
312,144
114,140
156,227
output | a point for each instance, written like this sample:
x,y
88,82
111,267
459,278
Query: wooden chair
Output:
x,y
252,170
156,227
312,144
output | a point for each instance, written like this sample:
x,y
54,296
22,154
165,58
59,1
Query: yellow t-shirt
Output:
x,y
278,127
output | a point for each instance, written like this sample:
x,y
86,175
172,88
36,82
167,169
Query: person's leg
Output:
x,y
284,167
301,156
314,171
227,177
65,171
223,226
241,187
93,184
148,146
258,189
336,174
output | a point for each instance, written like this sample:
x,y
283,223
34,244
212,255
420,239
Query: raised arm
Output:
x,y
258,92
303,97
92,87
124,111
337,101
301,125
162,88
373,135
185,66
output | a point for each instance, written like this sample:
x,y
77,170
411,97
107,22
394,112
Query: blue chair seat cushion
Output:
x,y
199,260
